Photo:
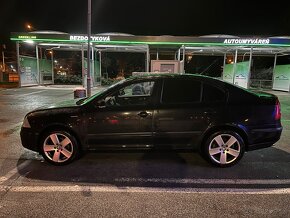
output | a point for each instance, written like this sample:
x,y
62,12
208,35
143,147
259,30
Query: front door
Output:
x,y
122,118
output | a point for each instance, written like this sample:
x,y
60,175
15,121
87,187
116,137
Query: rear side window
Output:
x,y
212,94
181,91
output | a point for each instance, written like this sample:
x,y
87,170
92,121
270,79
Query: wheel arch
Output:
x,y
58,127
233,128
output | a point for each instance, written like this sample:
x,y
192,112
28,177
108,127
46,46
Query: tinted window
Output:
x,y
181,91
212,94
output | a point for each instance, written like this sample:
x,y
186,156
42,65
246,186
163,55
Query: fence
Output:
x,y
261,84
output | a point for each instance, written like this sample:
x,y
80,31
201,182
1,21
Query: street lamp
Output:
x,y
29,27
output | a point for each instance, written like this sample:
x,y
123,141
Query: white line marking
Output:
x,y
209,181
14,171
77,188
31,93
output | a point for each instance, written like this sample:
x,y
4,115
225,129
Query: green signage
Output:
x,y
45,68
237,74
28,71
281,78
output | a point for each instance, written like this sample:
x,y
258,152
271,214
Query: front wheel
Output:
x,y
59,147
224,148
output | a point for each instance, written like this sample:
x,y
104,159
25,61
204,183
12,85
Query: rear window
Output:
x,y
212,94
181,91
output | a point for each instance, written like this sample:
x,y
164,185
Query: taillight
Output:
x,y
277,110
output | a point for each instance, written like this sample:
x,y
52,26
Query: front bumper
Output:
x,y
29,139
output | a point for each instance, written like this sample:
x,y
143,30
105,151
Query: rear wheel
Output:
x,y
59,147
224,148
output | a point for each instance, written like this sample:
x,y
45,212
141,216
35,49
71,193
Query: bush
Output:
x,y
109,81
69,79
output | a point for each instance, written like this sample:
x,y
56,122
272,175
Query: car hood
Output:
x,y
62,104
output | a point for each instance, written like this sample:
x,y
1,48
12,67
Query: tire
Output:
x,y
224,148
59,147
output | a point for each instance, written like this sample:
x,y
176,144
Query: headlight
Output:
x,y
25,123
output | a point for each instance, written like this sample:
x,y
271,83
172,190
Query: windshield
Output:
x,y
88,99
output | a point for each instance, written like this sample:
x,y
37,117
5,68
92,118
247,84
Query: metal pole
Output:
x,y
93,65
18,64
183,58
235,65
157,54
225,58
100,60
275,62
37,64
3,60
89,50
250,64
83,67
147,59
52,66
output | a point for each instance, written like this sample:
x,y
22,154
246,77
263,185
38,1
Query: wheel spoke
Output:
x,y
65,142
66,153
213,151
233,152
231,141
47,148
219,140
54,139
56,156
223,158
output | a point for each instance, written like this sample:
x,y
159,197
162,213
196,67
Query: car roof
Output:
x,y
171,75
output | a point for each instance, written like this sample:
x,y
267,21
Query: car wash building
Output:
x,y
237,55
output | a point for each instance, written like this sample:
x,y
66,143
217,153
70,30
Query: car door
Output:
x,y
182,115
123,117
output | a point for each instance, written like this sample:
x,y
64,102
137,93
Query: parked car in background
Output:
x,y
167,111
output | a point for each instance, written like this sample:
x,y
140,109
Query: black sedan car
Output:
x,y
193,112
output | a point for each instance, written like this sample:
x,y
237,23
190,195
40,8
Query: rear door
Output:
x,y
183,113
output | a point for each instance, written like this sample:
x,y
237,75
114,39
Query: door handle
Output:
x,y
143,114
209,112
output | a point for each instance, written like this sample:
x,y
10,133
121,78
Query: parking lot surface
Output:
x,y
135,183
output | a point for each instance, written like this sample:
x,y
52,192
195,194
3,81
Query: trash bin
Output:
x,y
80,93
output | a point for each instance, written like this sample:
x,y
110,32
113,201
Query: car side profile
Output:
x,y
173,111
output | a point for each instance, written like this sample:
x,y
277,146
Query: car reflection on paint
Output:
x,y
194,112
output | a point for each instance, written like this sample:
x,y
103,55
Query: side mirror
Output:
x,y
121,92
101,104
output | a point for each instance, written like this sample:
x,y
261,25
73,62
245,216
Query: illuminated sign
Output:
x,y
26,37
247,41
93,38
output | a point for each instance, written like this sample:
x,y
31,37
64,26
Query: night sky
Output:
x,y
148,17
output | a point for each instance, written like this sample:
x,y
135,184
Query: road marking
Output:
x,y
77,188
209,181
14,171
31,93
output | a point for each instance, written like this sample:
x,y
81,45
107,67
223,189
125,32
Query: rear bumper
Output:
x,y
262,138
29,139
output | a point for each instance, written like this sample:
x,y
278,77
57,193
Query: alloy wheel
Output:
x,y
224,149
58,147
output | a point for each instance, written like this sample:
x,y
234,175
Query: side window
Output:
x,y
212,94
134,94
135,89
181,91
